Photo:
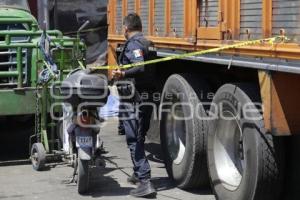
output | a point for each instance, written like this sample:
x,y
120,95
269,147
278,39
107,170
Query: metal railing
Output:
x,y
13,62
17,44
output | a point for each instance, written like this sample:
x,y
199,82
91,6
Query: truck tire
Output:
x,y
83,176
38,156
184,141
244,161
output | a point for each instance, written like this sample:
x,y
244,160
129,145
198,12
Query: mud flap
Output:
x,y
85,153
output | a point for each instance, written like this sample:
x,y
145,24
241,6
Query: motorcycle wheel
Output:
x,y
83,176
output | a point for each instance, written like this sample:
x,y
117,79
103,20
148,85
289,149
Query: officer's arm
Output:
x,y
135,54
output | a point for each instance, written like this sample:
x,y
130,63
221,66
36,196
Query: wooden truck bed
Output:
x,y
200,24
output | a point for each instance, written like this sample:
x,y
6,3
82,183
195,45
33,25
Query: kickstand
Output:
x,y
73,179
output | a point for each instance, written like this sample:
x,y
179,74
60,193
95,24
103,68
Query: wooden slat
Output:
x,y
144,14
159,19
286,15
177,18
209,33
251,19
118,17
209,13
130,6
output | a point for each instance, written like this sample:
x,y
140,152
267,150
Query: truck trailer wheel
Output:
x,y
244,161
183,134
38,156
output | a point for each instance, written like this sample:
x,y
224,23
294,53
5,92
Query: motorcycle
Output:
x,y
81,126
86,147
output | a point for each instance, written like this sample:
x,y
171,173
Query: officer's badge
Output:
x,y
138,53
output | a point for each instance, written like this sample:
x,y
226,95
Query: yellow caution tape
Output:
x,y
271,41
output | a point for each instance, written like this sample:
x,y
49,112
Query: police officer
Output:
x,y
136,124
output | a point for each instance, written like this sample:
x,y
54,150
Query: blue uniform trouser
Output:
x,y
136,124
121,128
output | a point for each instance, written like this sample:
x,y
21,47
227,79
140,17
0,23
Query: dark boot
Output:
x,y
144,189
121,133
133,179
121,128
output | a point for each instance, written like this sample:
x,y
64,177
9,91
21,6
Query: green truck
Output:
x,y
27,58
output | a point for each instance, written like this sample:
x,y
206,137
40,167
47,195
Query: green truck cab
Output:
x,y
21,59
32,61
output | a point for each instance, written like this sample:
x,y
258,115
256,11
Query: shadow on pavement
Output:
x,y
163,183
15,133
155,153
103,185
201,191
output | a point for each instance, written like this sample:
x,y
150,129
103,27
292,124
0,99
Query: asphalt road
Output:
x,y
21,182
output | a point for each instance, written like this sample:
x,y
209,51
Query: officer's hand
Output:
x,y
117,74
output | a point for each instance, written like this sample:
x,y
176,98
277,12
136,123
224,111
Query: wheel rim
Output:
x,y
176,134
228,151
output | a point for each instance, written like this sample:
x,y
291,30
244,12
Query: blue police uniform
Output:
x,y
135,124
